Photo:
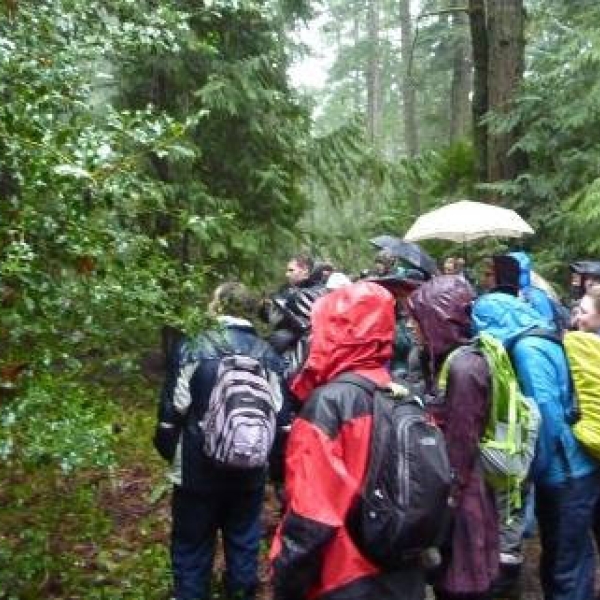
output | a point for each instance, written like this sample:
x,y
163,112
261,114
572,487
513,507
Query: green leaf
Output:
x,y
72,171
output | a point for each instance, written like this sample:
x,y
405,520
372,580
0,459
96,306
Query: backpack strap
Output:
x,y
395,392
219,343
442,378
540,332
359,381
574,413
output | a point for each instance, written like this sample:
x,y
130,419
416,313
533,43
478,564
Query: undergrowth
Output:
x,y
83,513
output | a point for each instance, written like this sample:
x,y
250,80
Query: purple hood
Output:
x,y
442,307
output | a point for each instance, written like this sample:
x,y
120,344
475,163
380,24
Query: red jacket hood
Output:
x,y
352,330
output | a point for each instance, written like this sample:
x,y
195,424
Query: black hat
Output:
x,y
586,267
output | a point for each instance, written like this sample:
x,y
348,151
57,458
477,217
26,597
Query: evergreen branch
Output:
x,y
454,9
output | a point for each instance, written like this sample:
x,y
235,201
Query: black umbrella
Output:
x,y
409,252
400,284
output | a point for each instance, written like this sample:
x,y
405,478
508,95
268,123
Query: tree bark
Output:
x,y
373,74
479,42
505,73
498,43
460,103
411,138
358,83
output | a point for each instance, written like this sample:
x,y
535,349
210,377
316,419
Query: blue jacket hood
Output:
x,y
505,317
525,263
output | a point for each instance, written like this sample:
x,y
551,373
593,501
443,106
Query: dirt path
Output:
x,y
125,506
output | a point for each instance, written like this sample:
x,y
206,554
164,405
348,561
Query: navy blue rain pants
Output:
x,y
565,516
196,519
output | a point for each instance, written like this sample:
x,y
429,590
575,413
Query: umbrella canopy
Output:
x,y
464,221
398,285
411,253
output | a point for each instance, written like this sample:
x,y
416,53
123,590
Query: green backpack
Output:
x,y
508,443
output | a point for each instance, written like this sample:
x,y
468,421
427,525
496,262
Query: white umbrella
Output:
x,y
464,221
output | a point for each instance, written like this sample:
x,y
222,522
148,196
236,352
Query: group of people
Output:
x,y
378,329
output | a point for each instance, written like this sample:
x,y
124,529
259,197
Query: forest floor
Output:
x,y
120,548
101,533
127,505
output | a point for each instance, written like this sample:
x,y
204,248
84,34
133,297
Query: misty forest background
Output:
x,y
149,149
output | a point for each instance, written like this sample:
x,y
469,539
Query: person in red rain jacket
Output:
x,y
313,555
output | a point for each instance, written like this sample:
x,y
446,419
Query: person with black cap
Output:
x,y
566,479
584,274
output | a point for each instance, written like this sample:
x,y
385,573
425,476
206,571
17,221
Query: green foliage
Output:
x,y
242,185
558,115
57,423
80,516
74,195
345,32
388,196
144,155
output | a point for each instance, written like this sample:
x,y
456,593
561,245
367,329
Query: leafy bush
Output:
x,y
146,152
60,424
81,514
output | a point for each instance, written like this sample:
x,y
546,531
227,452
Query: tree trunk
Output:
x,y
505,72
411,137
358,83
479,42
460,103
373,74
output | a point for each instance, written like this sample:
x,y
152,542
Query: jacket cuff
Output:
x,y
166,440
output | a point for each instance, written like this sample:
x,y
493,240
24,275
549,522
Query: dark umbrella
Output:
x,y
400,285
409,252
586,267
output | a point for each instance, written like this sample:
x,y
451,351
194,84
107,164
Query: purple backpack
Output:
x,y
239,424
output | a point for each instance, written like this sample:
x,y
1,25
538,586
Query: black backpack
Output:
x,y
402,508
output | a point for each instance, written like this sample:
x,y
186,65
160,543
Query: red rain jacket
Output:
x,y
313,555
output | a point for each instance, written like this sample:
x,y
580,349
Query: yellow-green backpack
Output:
x,y
583,351
508,443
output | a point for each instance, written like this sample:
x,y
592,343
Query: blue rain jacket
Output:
x,y
534,295
542,371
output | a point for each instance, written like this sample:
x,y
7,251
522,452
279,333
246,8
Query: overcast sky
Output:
x,y
311,71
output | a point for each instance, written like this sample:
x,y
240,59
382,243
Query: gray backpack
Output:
x,y
239,424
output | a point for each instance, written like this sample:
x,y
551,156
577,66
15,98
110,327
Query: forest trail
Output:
x,y
128,503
